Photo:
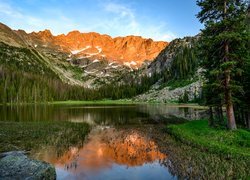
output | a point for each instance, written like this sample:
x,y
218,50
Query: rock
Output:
x,y
16,165
167,95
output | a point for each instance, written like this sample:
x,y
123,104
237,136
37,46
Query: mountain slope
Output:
x,y
10,37
178,73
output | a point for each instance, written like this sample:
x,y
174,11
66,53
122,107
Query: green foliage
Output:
x,y
244,98
24,60
224,51
199,134
177,83
185,63
184,98
98,102
20,87
131,87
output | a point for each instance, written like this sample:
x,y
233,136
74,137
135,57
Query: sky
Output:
x,y
161,20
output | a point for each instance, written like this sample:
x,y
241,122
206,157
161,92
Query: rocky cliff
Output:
x,y
131,51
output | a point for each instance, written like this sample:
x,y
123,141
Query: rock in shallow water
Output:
x,y
16,165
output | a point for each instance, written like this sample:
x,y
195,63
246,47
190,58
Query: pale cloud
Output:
x,y
6,9
18,20
126,23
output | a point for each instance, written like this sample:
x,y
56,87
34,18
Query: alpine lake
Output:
x,y
119,141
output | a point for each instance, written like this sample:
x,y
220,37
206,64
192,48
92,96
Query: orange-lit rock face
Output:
x,y
107,147
130,50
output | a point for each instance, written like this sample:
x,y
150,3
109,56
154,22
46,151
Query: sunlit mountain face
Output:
x,y
130,51
83,59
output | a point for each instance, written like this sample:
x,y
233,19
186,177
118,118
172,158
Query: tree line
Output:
x,y
18,86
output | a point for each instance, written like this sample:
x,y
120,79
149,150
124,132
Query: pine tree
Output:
x,y
223,48
246,75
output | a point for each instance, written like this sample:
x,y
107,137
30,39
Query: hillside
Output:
x,y
177,72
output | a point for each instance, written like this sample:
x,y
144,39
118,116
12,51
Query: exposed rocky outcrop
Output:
x,y
16,165
167,94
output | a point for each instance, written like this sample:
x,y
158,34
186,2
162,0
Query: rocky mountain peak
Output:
x,y
130,51
45,34
86,59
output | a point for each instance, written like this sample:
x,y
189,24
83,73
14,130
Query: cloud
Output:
x,y
113,18
17,19
125,22
6,9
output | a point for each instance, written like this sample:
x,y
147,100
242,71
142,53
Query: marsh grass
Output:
x,y
216,140
29,136
189,162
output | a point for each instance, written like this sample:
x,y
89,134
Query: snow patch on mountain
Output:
x,y
128,64
90,72
133,63
96,60
99,49
80,50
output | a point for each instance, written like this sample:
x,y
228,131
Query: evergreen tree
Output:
x,y
223,49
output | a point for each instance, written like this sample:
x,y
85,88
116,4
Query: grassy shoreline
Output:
x,y
76,102
221,141
98,102
108,102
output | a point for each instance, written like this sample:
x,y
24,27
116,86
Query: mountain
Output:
x,y
86,59
131,51
103,67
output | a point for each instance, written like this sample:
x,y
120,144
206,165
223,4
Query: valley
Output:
x,y
135,101
101,72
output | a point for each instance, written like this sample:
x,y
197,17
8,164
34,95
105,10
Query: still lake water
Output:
x,y
114,149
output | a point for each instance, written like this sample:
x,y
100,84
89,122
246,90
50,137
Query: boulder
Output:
x,y
16,165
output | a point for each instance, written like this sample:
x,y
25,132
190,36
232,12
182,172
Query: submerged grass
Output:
x,y
221,141
29,136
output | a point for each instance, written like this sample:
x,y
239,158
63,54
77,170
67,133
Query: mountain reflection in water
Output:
x,y
107,151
